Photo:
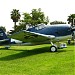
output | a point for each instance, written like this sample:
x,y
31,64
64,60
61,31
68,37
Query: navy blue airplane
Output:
x,y
50,32
56,32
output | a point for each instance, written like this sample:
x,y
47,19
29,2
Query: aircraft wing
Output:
x,y
31,37
44,35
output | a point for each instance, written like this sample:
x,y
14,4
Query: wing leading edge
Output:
x,y
44,35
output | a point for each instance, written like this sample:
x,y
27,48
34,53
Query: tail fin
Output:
x,y
3,36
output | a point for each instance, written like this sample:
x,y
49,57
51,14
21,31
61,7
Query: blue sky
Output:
x,y
55,9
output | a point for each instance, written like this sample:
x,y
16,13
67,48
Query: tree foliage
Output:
x,y
71,19
35,17
15,16
26,19
3,28
21,26
57,22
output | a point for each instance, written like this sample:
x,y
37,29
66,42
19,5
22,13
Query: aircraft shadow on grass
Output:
x,y
26,53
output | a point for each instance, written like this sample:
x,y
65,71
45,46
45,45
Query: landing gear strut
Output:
x,y
53,48
7,47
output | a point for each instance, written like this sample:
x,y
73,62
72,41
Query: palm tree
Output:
x,y
71,19
15,16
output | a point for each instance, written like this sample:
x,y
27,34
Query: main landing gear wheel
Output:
x,y
53,49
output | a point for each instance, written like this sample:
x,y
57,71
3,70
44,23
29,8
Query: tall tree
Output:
x,y
71,19
15,16
35,17
38,16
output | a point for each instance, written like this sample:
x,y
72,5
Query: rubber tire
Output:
x,y
53,48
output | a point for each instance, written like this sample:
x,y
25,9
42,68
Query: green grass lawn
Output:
x,y
37,60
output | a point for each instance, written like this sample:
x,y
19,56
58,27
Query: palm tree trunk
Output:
x,y
14,25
